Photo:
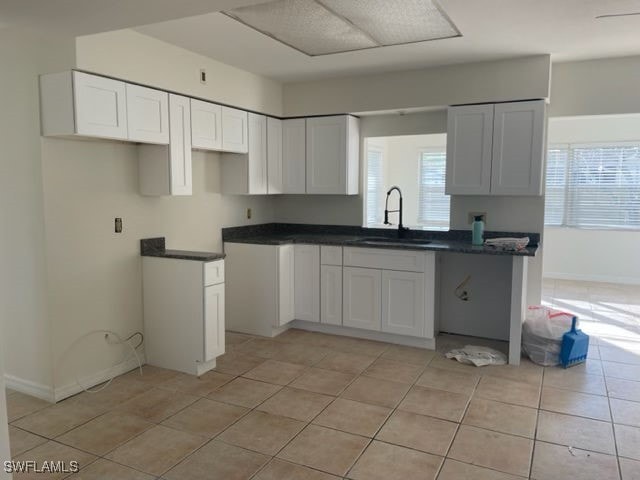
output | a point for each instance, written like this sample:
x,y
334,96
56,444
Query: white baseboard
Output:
x,y
97,378
591,278
38,390
429,343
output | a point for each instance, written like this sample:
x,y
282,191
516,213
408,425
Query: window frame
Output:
x,y
432,150
569,147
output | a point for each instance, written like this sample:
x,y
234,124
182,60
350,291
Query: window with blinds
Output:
x,y
434,206
374,186
593,186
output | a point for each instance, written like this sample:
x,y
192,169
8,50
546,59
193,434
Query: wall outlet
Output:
x,y
118,225
203,76
475,214
248,213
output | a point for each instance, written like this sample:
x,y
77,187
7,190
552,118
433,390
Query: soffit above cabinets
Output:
x,y
324,27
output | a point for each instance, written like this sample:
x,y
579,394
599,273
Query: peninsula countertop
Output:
x,y
155,247
454,241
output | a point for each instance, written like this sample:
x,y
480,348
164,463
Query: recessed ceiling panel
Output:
x,y
304,25
322,27
393,22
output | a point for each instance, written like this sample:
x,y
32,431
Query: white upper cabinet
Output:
x,y
76,103
234,130
294,155
518,148
274,155
332,155
166,170
246,173
469,138
147,115
496,149
206,125
257,154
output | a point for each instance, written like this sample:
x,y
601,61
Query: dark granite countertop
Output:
x,y
155,247
456,241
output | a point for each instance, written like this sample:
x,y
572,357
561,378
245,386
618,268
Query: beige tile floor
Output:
x,y
319,407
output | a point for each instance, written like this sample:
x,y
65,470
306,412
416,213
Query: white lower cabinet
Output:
x,y
392,291
259,287
362,302
184,313
214,322
403,303
286,285
331,294
307,282
269,286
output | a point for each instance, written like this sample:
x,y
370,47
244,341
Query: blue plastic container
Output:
x,y
575,346
477,231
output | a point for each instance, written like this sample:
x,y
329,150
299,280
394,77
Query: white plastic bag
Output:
x,y
478,356
542,334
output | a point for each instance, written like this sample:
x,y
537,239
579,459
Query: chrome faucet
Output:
x,y
401,229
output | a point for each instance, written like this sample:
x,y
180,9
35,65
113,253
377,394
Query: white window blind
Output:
x,y
600,186
434,206
374,186
556,185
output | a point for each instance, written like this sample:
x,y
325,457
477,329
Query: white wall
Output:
x,y
23,308
94,274
64,272
592,255
569,252
130,55
515,79
4,431
595,87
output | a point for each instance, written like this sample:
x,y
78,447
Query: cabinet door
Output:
x,y
361,298
180,145
294,155
100,106
327,155
213,321
286,289
274,155
307,282
206,125
234,130
518,148
469,138
147,115
403,303
257,157
331,294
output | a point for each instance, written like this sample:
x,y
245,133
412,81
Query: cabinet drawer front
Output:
x,y
214,272
402,260
330,255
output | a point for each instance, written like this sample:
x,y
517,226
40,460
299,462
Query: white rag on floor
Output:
x,y
478,356
507,243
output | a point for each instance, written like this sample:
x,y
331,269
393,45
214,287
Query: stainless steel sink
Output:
x,y
393,241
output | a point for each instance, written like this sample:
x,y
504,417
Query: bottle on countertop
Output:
x,y
477,230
